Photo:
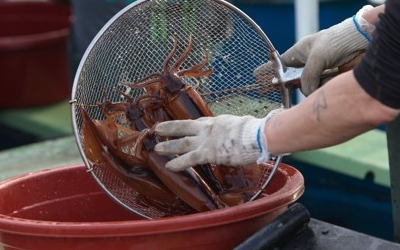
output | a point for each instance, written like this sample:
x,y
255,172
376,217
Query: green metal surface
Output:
x,y
39,156
44,122
361,157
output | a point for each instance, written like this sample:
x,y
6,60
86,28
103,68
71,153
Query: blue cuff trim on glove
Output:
x,y
365,35
259,143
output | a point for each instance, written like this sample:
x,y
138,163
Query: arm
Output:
x,y
351,103
336,112
346,106
328,48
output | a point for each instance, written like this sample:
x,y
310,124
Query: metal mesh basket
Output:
x,y
135,43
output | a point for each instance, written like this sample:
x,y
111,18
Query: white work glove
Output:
x,y
222,140
327,49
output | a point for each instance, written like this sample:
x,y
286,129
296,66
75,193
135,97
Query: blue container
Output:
x,y
277,18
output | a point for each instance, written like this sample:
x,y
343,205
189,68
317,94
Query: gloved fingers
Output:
x,y
296,56
185,161
325,80
311,76
350,64
177,146
312,81
291,59
178,128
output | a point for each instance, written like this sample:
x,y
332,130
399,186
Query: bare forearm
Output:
x,y
336,112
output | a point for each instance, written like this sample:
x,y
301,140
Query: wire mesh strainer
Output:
x,y
135,43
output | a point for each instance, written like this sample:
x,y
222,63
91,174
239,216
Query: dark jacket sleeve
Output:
x,y
379,71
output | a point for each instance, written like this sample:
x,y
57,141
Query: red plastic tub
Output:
x,y
33,53
64,208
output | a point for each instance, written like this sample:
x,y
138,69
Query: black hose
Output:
x,y
277,231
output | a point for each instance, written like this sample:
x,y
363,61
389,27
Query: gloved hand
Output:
x,y
222,140
326,49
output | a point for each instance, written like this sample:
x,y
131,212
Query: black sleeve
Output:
x,y
379,71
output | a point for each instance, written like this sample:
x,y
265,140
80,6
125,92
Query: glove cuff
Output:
x,y
347,39
264,154
365,28
254,138
250,140
351,35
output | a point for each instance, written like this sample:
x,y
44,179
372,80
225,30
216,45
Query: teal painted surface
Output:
x,y
365,155
44,122
38,156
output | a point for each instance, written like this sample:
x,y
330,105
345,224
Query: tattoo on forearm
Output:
x,y
320,104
